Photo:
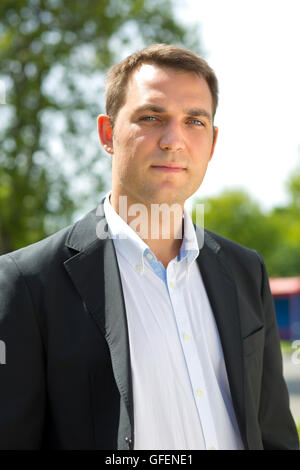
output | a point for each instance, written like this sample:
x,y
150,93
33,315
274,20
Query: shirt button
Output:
x,y
171,285
213,448
186,337
149,256
138,267
200,393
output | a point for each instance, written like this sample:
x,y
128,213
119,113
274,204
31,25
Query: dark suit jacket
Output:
x,y
67,384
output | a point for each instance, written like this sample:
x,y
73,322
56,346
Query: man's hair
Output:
x,y
163,55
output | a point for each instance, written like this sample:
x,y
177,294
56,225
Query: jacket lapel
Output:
x,y
95,274
221,290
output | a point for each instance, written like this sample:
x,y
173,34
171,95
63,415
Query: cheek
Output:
x,y
200,164
127,142
125,162
201,151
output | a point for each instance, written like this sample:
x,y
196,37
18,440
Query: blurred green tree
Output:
x,y
293,188
275,234
234,215
286,258
53,54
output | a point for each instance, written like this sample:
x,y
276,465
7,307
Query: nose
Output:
x,y
172,139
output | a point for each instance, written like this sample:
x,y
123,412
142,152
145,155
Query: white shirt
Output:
x,y
181,394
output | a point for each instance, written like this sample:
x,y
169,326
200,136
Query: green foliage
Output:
x,y
286,347
53,54
234,215
293,186
276,235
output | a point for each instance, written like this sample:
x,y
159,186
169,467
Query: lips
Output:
x,y
169,167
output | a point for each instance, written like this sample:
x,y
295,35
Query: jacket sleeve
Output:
x,y
276,422
22,372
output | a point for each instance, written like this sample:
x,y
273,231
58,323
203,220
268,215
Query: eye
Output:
x,y
196,122
148,118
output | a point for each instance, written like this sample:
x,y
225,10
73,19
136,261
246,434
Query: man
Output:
x,y
119,337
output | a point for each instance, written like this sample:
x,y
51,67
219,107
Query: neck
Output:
x,y
159,225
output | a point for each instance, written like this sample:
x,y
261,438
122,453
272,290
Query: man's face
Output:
x,y
163,136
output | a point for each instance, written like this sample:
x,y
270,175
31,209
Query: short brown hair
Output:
x,y
159,54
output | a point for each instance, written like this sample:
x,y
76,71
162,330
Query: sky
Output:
x,y
254,49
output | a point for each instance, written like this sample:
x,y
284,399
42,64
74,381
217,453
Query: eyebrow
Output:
x,y
160,109
198,112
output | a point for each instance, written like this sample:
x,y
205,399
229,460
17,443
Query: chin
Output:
x,y
168,199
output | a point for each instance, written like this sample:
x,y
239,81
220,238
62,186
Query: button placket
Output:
x,y
197,377
195,370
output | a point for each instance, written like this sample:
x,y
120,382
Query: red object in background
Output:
x,y
286,295
285,286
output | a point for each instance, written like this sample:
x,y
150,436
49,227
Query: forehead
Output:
x,y
151,82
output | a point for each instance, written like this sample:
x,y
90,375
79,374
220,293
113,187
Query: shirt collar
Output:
x,y
189,248
128,243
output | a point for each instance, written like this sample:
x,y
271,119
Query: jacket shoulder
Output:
x,y
228,245
54,248
238,256
37,253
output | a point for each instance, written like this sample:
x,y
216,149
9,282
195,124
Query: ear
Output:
x,y
105,133
215,136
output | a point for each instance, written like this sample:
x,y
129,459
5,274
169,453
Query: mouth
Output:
x,y
169,168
